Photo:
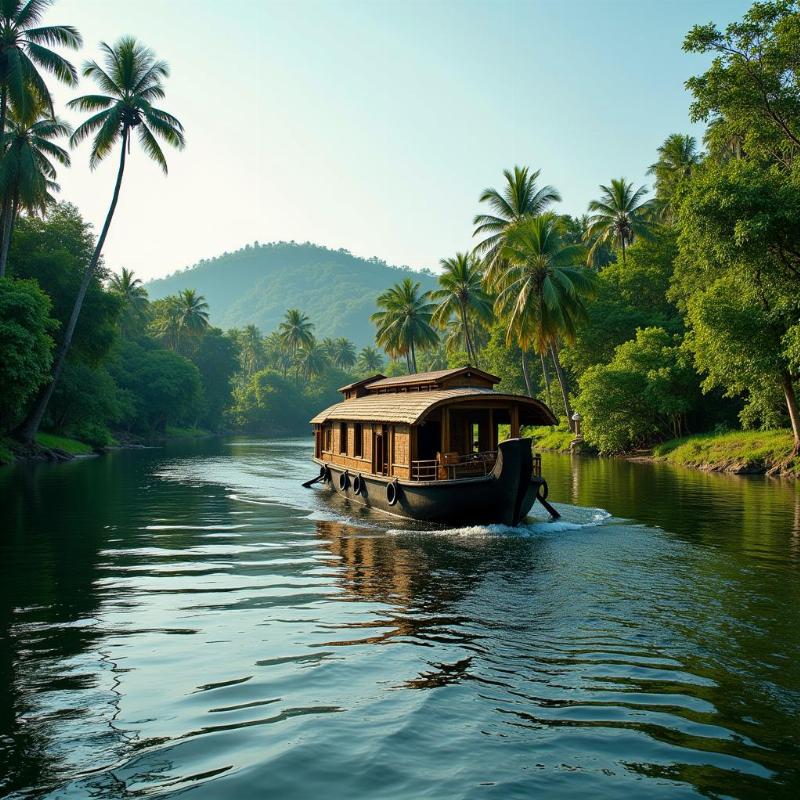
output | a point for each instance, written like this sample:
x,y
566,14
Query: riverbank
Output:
x,y
53,447
738,452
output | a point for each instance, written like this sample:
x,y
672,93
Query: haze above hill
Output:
x,y
257,284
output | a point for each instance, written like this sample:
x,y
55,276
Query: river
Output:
x,y
189,619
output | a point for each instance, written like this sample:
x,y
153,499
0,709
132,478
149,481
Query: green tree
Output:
x,y
541,291
370,361
192,315
404,322
250,344
132,80
217,359
25,50
641,396
133,295
25,345
677,159
342,354
750,90
27,173
620,215
520,197
462,295
312,359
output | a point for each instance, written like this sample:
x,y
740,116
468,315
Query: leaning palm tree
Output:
x,y
619,216
462,295
27,172
24,50
404,322
131,80
678,157
133,296
541,289
520,197
370,361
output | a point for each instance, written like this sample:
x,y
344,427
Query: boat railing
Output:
x,y
453,465
450,466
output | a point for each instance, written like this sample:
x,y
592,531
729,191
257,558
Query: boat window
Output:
x,y
358,440
343,438
476,437
329,438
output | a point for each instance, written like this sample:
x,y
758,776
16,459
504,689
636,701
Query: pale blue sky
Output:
x,y
375,125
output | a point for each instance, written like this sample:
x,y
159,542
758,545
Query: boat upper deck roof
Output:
x,y
412,407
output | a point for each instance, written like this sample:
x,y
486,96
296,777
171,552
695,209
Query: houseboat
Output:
x,y
427,446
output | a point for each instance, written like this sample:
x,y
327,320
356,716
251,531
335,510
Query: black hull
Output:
x,y
504,496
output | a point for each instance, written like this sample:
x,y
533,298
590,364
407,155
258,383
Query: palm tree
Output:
x,y
520,197
370,361
462,295
27,173
133,296
620,215
541,290
132,80
251,349
296,330
404,323
24,50
343,353
192,314
312,359
677,159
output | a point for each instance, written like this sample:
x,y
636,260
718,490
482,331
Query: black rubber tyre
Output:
x,y
542,491
344,480
391,493
358,484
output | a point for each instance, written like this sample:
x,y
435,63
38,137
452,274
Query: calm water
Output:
x,y
190,619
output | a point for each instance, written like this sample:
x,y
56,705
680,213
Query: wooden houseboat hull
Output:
x,y
504,496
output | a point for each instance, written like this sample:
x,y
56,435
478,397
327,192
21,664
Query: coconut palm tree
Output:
x,y
677,159
312,359
192,314
296,330
251,349
520,197
619,216
462,295
541,289
27,172
133,296
25,50
132,79
343,353
370,361
404,322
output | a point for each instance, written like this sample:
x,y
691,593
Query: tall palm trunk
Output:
x,y
562,382
29,427
794,413
9,216
546,375
525,373
471,357
413,357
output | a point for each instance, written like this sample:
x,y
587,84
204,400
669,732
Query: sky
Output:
x,y
374,125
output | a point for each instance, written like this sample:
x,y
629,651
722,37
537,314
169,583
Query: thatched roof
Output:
x,y
412,407
429,377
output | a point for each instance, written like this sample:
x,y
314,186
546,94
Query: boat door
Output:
x,y
380,464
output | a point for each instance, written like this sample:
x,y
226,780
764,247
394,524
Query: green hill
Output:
x,y
255,285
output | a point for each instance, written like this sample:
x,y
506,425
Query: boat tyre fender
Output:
x,y
391,492
542,491
358,484
344,480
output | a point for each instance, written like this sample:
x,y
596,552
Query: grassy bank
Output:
x,y
72,446
550,438
739,452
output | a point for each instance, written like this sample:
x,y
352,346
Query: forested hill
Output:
x,y
255,285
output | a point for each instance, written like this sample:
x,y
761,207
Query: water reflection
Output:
x,y
176,620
